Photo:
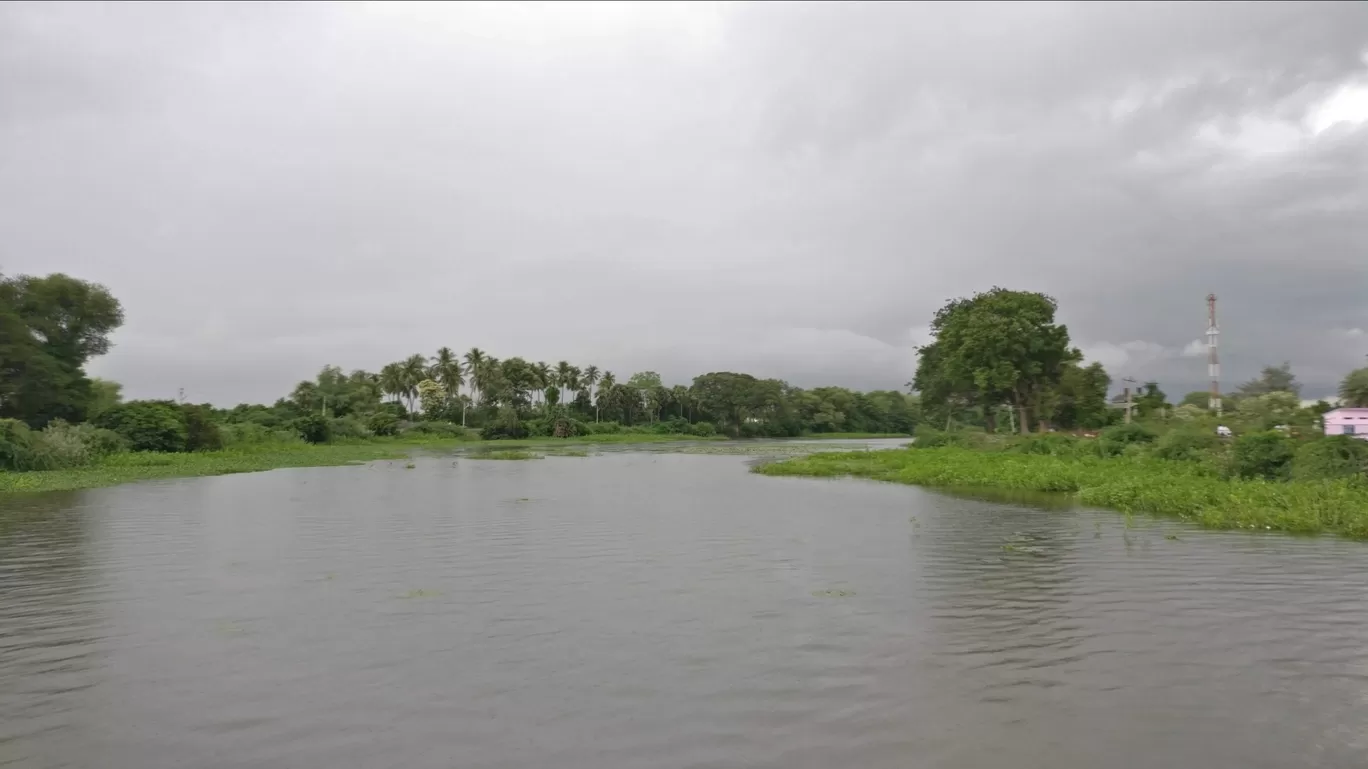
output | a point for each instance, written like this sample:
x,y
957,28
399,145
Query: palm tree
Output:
x,y
541,373
475,359
573,383
392,380
446,369
562,377
605,385
414,370
591,378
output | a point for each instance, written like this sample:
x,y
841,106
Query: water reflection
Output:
x,y
50,617
642,609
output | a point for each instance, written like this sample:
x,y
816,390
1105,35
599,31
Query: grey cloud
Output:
x,y
790,189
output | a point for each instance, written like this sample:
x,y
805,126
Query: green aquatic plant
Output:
x,y
505,455
1186,490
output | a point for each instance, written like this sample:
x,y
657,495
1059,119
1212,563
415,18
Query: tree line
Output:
x,y
997,359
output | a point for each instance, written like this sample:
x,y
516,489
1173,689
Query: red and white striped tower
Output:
x,y
1213,335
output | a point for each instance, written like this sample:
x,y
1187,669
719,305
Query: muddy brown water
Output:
x,y
649,609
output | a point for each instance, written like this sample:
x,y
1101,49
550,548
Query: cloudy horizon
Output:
x,y
789,190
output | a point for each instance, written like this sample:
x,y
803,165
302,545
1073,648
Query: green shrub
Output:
x,y
16,445
1114,440
147,425
60,447
383,423
313,428
1187,445
201,431
703,429
435,429
1265,454
928,437
604,428
1333,456
349,427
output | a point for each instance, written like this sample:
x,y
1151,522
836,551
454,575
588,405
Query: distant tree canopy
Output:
x,y
1273,379
1353,391
50,328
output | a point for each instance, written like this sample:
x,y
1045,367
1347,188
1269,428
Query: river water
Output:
x,y
645,609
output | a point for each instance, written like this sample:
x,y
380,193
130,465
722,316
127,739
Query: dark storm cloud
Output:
x,y
785,189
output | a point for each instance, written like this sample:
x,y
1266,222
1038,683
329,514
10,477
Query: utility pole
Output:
x,y
1213,362
1130,402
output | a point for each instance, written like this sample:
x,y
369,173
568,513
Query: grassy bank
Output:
x,y
1142,485
122,468
851,436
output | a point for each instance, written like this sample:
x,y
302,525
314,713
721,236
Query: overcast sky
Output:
x,y
788,190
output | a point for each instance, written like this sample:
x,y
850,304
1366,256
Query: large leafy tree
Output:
x,y
50,327
1082,397
734,399
1353,391
999,345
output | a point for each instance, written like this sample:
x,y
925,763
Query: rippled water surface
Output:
x,y
659,610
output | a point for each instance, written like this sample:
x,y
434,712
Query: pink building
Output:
x,y
1347,422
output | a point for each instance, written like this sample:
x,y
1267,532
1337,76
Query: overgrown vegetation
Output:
x,y
1189,490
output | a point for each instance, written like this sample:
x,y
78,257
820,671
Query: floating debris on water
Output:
x,y
420,593
832,593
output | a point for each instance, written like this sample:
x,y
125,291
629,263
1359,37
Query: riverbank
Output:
x,y
1131,485
123,468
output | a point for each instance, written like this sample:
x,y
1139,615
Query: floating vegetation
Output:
x,y
566,453
1172,537
229,628
832,593
1186,490
409,466
420,593
509,454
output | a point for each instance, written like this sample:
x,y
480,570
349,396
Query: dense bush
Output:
x,y
603,428
703,429
383,423
435,429
498,431
348,427
201,431
1334,456
1265,454
928,437
147,425
16,445
1187,444
1114,440
252,434
313,428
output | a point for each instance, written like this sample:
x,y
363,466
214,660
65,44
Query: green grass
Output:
x,y
1186,490
126,468
851,436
